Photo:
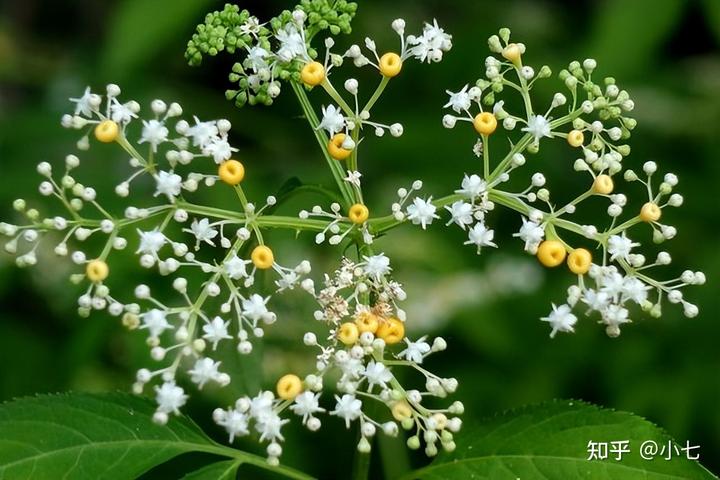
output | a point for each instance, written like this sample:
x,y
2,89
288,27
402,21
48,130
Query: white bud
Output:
x,y
614,210
310,339
351,85
538,180
158,107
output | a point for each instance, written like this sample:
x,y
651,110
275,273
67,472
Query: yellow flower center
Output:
x,y
107,131
485,123
551,253
390,64
358,213
335,147
575,138
313,74
97,271
401,411
579,261
348,333
603,185
391,330
289,386
650,212
231,172
262,257
367,322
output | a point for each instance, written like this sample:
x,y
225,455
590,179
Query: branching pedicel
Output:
x,y
359,302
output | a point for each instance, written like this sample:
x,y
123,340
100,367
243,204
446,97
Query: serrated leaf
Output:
x,y
142,28
108,436
550,441
225,470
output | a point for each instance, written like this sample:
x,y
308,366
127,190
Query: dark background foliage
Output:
x,y
665,52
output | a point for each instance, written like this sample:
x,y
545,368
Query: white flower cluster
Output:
x,y
594,122
353,222
363,343
358,307
267,60
186,331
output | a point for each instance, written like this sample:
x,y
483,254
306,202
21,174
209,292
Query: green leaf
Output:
x,y
108,436
550,441
143,28
225,470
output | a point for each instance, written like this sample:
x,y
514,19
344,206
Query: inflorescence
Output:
x,y
359,304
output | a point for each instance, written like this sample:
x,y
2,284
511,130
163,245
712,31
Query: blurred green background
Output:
x,y
665,52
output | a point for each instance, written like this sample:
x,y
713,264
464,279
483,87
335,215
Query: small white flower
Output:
x,y
270,426
353,178
377,266
461,214
235,423
86,104
348,408
306,404
215,331
477,149
202,132
596,300
480,236
287,281
459,101
254,307
620,246
236,267
531,233
560,319
219,149
203,231
291,43
634,289
333,120
421,212
615,315
156,322
154,132
168,184
121,113
170,397
151,242
538,127
415,351
256,58
204,370
612,283
377,373
472,186
431,44
251,26
261,406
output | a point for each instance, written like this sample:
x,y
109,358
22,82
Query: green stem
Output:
x,y
268,221
322,140
250,459
336,96
375,96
